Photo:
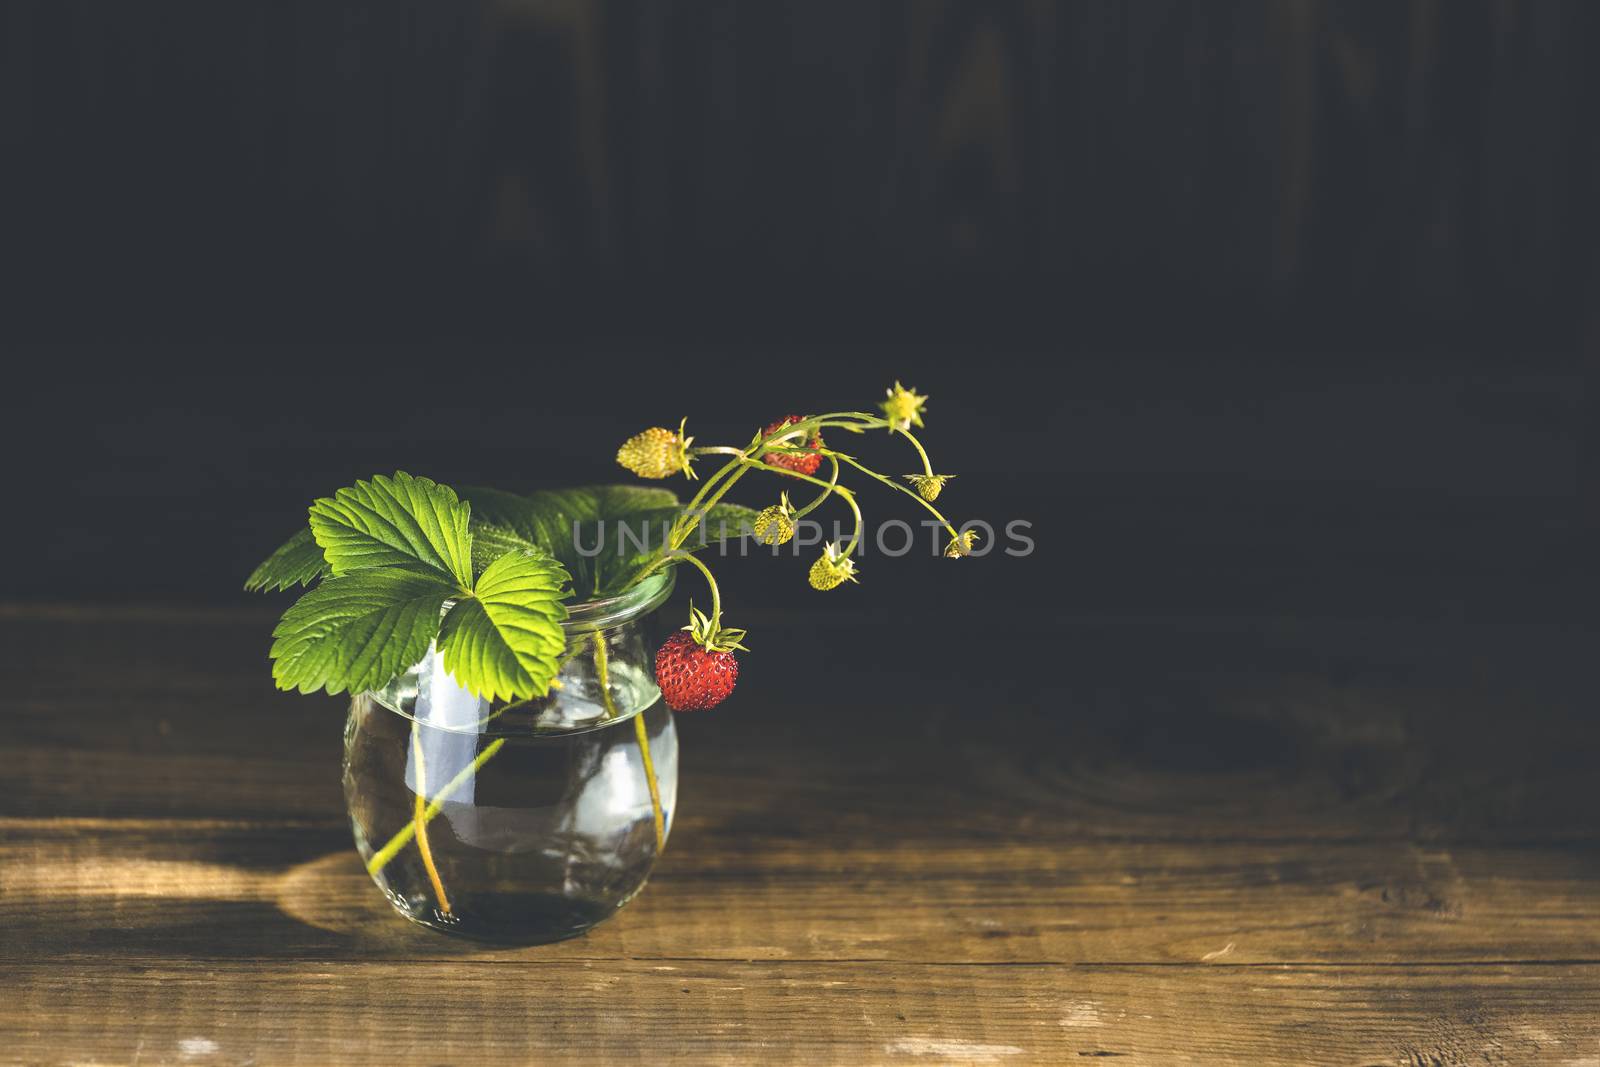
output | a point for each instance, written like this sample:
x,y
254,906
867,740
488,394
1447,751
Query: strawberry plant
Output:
x,y
402,563
402,567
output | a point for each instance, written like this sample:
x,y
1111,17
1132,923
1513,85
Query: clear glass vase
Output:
x,y
520,822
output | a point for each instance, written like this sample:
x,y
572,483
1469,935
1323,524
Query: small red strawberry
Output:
x,y
801,463
696,668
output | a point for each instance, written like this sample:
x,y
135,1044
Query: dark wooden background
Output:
x,y
1316,165
1298,258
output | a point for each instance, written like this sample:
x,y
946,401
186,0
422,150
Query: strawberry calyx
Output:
x,y
709,634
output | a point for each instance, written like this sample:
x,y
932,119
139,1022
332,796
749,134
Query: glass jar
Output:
x,y
525,821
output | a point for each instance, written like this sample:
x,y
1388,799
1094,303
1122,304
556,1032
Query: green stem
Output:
x,y
693,506
716,596
897,487
381,858
602,671
650,778
715,487
833,482
855,422
855,538
695,511
419,820
704,511
832,487
927,467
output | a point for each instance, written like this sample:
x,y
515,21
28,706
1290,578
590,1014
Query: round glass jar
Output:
x,y
525,821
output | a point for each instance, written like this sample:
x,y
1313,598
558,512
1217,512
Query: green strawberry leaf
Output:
x,y
358,631
508,511
505,642
490,542
628,544
721,522
548,518
400,521
298,561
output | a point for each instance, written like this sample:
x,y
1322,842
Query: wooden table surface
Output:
x,y
1148,840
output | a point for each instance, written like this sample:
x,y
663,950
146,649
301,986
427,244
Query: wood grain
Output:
x,y
109,892
1233,841
691,1011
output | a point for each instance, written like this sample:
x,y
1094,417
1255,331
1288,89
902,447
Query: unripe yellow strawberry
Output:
x,y
774,526
903,409
961,544
831,570
657,453
928,486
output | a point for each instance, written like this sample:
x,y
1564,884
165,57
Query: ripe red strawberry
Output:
x,y
793,461
690,677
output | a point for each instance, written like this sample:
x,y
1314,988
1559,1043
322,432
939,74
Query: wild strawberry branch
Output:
x,y
794,445
897,487
832,488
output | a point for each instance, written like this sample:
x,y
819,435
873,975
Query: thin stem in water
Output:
x,y
602,671
420,820
380,859
650,778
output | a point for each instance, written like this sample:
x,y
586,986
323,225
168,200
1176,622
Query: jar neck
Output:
x,y
612,612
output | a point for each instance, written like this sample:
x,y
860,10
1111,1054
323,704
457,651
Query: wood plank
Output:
x,y
153,891
856,1014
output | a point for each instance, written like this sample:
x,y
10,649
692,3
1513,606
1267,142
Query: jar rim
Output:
x,y
630,604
